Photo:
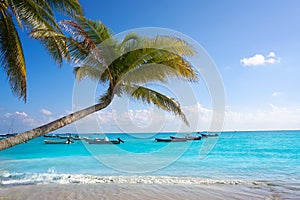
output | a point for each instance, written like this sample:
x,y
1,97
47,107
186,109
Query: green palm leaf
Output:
x,y
130,42
157,64
85,36
87,71
69,7
38,17
12,58
171,44
163,50
54,42
33,15
150,96
153,73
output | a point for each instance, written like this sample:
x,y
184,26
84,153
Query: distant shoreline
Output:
x,y
233,131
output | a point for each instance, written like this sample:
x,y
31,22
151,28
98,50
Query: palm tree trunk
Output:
x,y
54,125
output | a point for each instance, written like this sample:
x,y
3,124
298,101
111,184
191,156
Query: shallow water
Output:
x,y
268,160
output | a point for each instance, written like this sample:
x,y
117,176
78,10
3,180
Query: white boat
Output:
x,y
58,142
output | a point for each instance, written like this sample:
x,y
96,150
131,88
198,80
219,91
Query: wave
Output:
x,y
7,179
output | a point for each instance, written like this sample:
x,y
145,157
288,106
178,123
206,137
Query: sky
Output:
x,y
255,45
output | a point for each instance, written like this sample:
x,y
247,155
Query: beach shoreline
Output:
x,y
136,191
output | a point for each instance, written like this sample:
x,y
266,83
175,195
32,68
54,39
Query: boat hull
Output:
x,y
96,141
187,138
170,140
209,135
104,142
57,142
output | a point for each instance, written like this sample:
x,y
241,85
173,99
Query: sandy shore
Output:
x,y
134,191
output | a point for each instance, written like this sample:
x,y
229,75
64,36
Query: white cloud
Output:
x,y
21,114
7,115
145,120
259,59
21,121
18,121
271,55
276,94
16,114
278,109
141,117
272,118
45,112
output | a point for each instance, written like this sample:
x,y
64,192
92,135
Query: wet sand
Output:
x,y
135,191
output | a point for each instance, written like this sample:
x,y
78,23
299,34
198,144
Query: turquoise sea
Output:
x,y
256,158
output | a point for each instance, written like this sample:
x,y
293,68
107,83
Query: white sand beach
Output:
x,y
136,191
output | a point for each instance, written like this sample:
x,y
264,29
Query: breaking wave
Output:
x,y
7,179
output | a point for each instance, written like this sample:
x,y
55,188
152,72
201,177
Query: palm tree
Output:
x,y
125,67
31,15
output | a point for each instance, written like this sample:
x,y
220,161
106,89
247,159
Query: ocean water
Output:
x,y
268,159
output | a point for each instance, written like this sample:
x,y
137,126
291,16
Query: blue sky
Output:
x,y
254,44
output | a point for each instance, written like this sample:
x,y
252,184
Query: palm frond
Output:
x,y
130,42
172,44
142,65
105,96
168,43
11,56
15,12
161,50
78,33
34,15
69,7
45,5
83,38
86,30
38,16
87,71
90,42
97,31
150,96
54,42
151,73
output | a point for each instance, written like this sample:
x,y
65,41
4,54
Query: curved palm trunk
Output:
x,y
54,125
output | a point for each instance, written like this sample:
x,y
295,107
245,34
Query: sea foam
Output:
x,y
46,178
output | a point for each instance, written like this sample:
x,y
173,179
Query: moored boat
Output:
x,y
50,135
187,137
58,142
77,138
92,139
7,135
65,136
170,140
209,135
96,141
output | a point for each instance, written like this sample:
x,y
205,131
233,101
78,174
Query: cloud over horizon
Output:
x,y
259,60
45,111
271,118
17,121
276,94
149,120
